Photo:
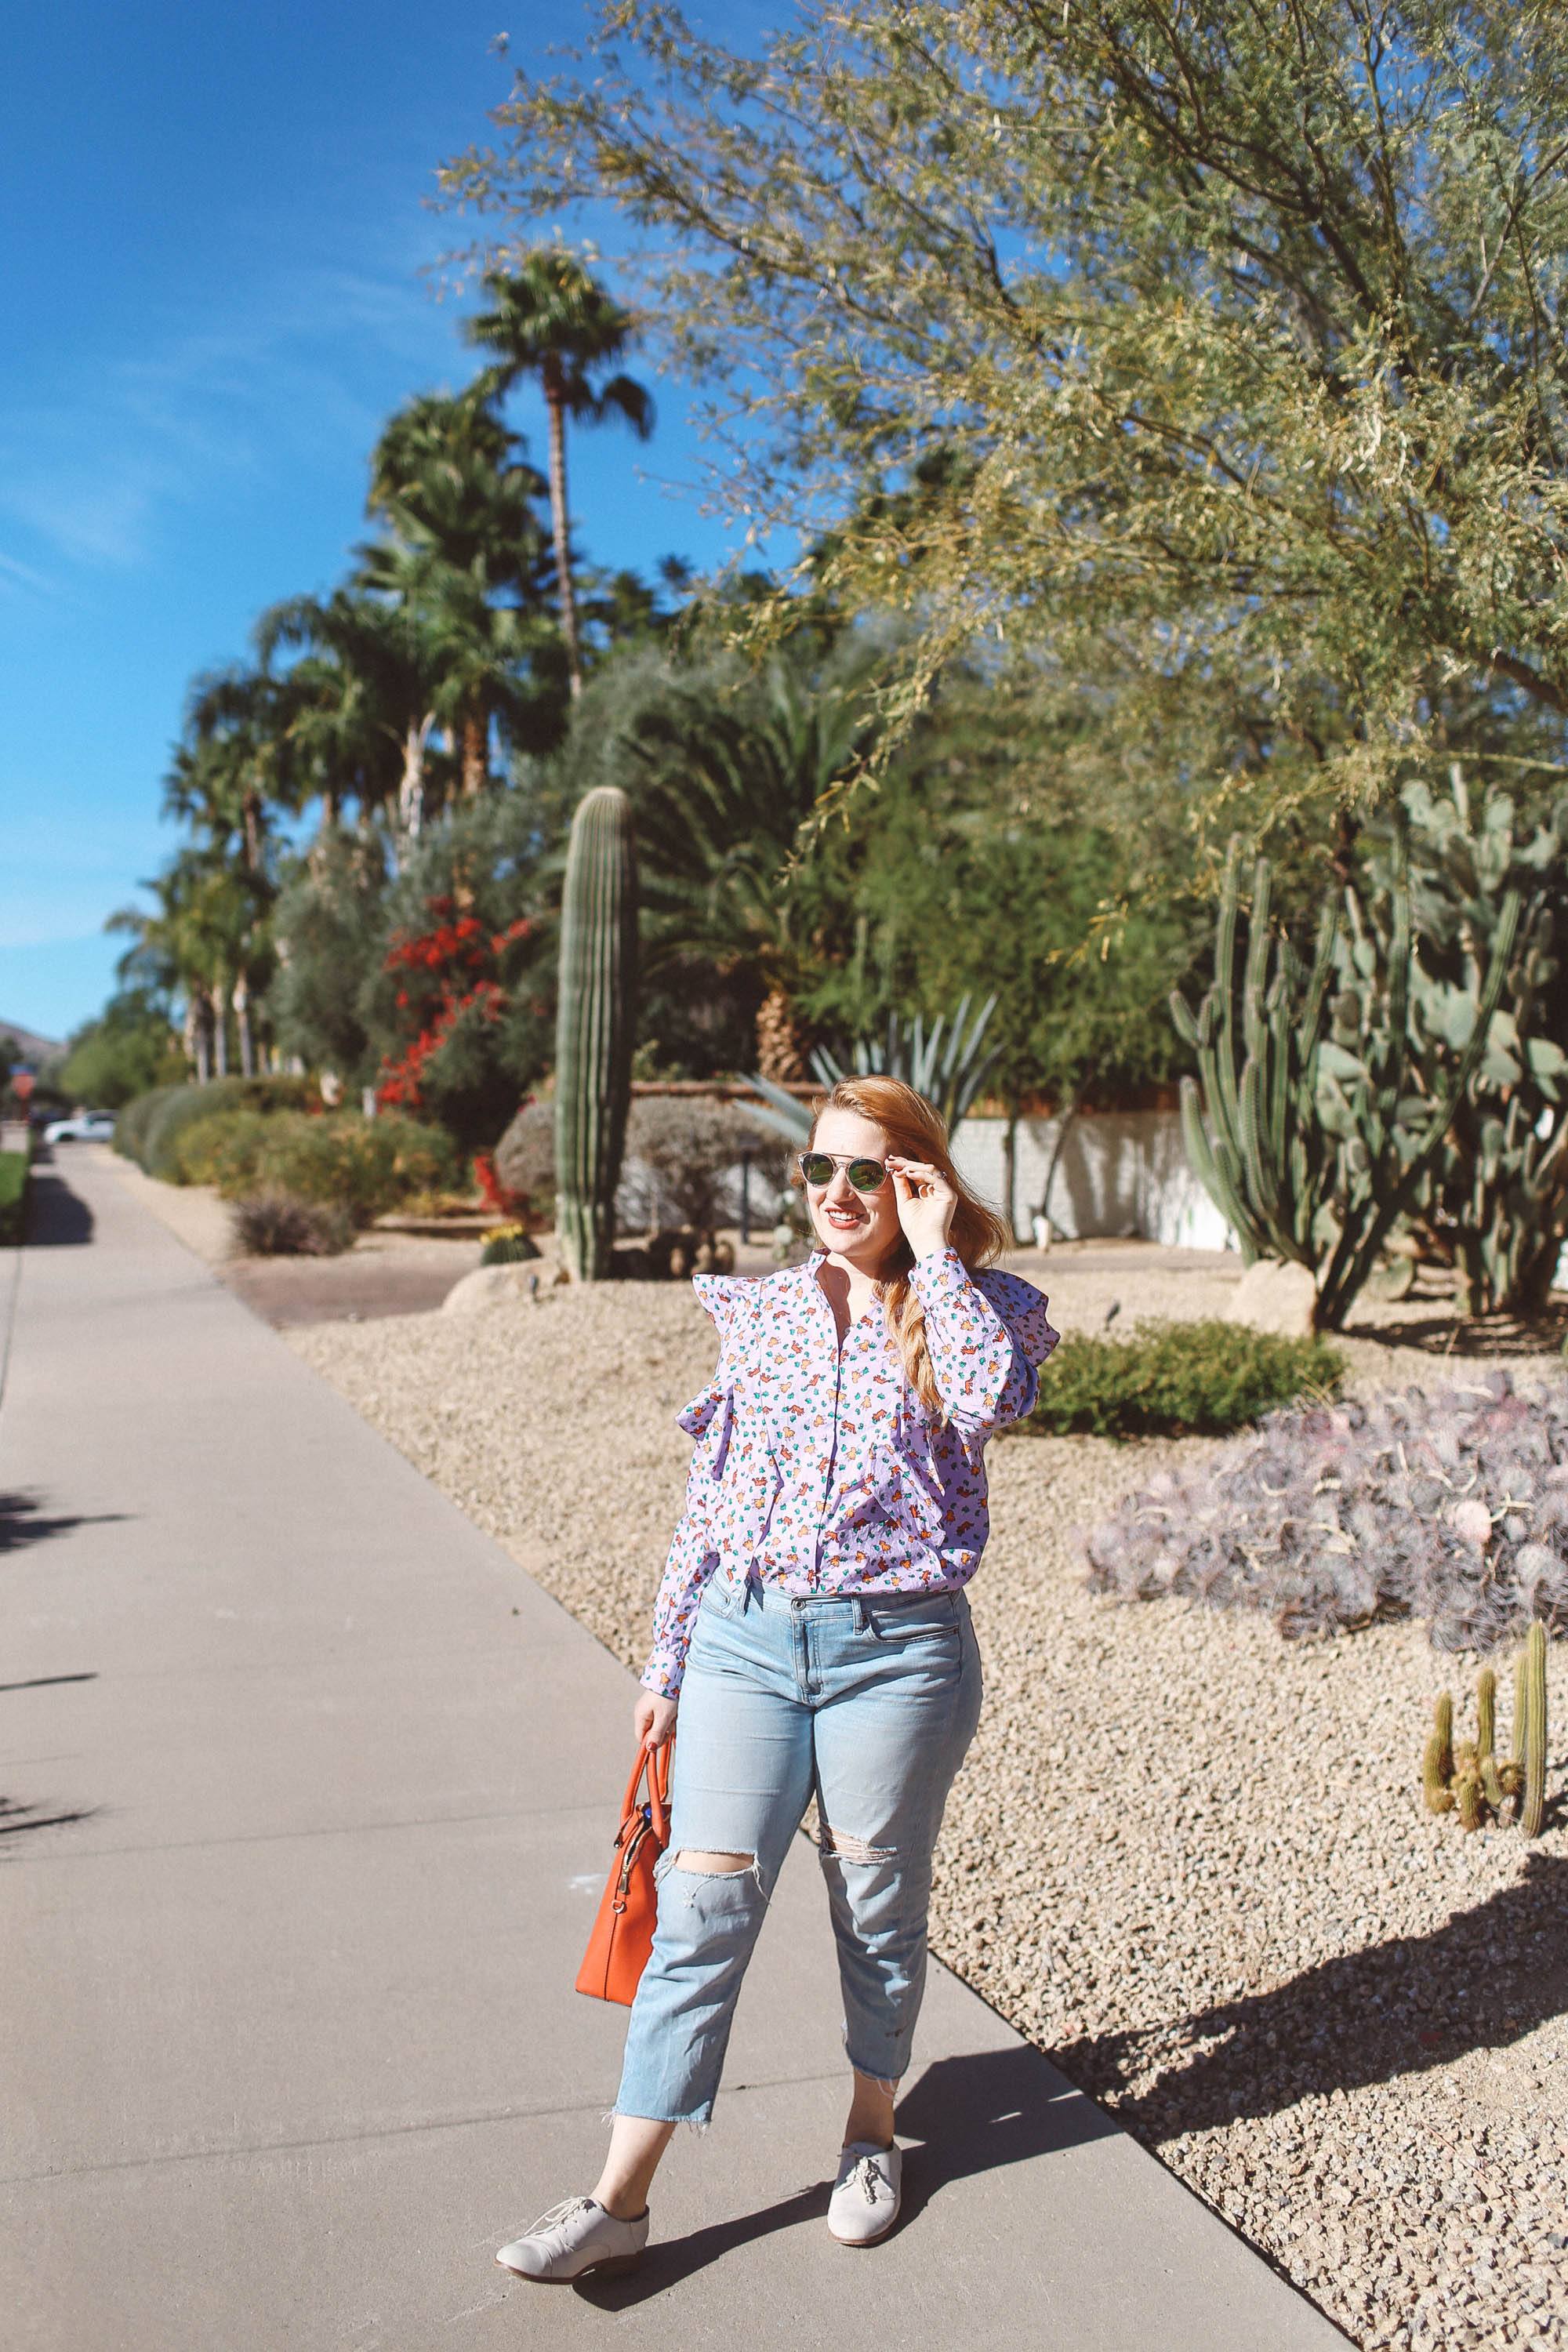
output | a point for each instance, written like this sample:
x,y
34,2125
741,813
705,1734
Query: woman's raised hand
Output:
x,y
926,1202
653,1718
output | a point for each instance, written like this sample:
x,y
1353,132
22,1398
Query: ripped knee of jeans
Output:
x,y
838,1844
716,1865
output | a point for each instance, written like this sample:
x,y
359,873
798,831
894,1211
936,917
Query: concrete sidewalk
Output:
x,y
308,1794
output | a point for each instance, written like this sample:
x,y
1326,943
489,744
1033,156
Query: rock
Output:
x,y
1272,1296
490,1285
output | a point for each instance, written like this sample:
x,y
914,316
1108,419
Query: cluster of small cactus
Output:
x,y
1452,1508
595,1021
1468,1779
1314,1122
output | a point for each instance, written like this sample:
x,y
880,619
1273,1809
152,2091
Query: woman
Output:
x,y
813,1633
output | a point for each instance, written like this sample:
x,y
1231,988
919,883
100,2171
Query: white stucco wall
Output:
x,y
1121,1172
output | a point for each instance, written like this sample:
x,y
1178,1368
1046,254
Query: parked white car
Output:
x,y
87,1127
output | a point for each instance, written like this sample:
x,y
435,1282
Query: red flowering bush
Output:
x,y
447,985
495,1195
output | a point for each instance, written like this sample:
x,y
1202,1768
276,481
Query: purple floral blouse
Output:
x,y
817,1469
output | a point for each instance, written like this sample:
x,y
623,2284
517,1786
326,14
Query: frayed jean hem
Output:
x,y
885,2083
697,2124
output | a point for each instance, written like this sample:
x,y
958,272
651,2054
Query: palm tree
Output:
x,y
200,942
367,688
724,768
465,540
236,766
550,318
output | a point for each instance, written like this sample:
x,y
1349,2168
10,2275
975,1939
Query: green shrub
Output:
x,y
337,1158
256,1134
14,1166
156,1139
1178,1378
271,1224
364,1166
131,1126
224,1149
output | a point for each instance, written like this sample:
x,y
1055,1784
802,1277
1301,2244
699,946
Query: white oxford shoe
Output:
x,y
575,2236
863,2205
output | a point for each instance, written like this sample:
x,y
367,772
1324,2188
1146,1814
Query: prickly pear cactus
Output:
x,y
1318,1123
1498,1189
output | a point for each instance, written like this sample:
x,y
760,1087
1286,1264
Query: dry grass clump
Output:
x,y
1453,1508
274,1223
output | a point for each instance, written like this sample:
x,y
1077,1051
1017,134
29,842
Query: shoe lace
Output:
x,y
565,2212
871,2176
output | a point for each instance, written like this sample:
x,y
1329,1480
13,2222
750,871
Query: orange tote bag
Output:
x,y
623,1932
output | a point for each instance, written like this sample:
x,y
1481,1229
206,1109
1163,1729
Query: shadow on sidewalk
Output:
x,y
57,1217
23,1520
47,1682
1482,1981
972,2114
15,1817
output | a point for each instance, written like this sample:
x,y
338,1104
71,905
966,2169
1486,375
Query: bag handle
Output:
x,y
654,1762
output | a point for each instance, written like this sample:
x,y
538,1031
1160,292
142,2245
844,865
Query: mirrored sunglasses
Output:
x,y
865,1175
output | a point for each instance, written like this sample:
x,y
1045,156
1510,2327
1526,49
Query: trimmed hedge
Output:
x,y
1178,1380
14,1168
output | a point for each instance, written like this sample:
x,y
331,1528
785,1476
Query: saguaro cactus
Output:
x,y
595,1018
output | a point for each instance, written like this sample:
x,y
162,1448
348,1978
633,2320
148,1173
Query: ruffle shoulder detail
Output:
x,y
1022,1309
720,1295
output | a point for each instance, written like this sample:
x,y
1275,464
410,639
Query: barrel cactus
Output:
x,y
595,1021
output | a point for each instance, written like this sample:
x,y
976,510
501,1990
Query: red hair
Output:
x,y
916,1129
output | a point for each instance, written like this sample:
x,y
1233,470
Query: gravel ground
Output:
x,y
1185,1858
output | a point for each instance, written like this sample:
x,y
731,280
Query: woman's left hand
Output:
x,y
926,1202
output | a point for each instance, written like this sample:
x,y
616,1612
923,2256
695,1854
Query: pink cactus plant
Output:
x,y
1453,1508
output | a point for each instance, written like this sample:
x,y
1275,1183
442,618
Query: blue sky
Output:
x,y
212,231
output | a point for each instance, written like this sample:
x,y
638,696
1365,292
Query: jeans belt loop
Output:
x,y
862,1614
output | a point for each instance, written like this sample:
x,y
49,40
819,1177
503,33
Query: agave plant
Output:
x,y
946,1063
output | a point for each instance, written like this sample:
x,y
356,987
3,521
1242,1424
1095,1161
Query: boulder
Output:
x,y
1272,1296
493,1286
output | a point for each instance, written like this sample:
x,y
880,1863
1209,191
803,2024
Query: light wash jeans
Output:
x,y
872,1702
